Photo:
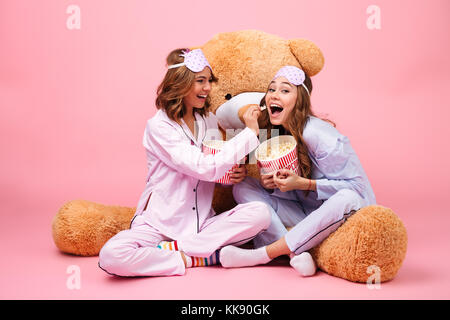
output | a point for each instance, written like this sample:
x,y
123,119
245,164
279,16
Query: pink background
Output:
x,y
74,105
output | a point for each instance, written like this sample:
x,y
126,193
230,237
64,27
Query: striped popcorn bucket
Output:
x,y
212,147
269,164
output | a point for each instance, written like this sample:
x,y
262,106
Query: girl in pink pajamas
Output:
x,y
174,226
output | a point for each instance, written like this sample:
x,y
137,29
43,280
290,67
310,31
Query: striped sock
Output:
x,y
191,261
168,245
202,262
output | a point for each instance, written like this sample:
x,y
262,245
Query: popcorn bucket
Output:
x,y
277,153
212,147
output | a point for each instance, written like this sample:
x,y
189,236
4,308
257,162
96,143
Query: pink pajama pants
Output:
x,y
134,252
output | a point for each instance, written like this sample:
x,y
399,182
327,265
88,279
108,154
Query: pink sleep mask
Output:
x,y
194,60
294,75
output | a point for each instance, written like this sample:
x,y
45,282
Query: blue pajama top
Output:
x,y
335,166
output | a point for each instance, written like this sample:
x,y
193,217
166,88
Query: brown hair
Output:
x,y
175,86
296,123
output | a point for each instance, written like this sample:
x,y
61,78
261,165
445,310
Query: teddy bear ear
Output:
x,y
308,55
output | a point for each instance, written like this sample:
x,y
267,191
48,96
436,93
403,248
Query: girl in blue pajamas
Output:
x,y
331,187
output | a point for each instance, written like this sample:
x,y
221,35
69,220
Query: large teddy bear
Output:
x,y
372,240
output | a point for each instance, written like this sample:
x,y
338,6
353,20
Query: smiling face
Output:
x,y
281,98
196,97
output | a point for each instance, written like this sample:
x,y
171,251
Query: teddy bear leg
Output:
x,y
374,238
82,227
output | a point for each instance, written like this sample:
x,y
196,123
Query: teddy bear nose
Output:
x,y
228,96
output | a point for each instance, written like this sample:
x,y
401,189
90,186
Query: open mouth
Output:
x,y
275,109
202,96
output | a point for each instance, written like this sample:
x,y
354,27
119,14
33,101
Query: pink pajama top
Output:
x,y
181,178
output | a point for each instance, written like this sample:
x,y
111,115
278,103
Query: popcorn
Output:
x,y
276,151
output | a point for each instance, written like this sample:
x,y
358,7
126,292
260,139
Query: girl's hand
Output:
x,y
238,174
286,180
267,181
251,117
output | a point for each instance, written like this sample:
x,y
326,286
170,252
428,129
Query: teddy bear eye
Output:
x,y
228,96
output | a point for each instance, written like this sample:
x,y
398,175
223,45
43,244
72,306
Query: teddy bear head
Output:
x,y
246,61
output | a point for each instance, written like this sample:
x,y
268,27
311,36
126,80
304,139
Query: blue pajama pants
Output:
x,y
309,225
